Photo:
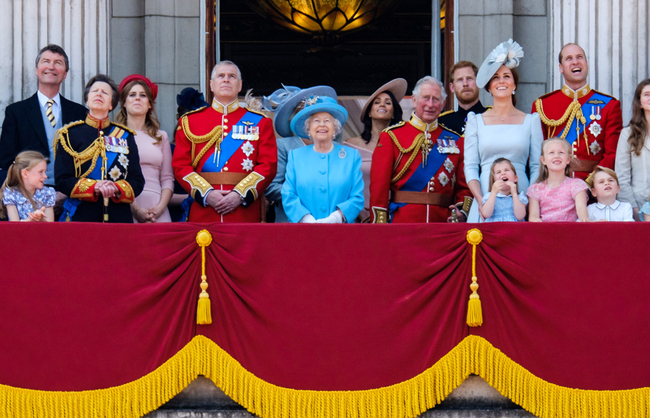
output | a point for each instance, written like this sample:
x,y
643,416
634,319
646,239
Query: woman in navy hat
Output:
x,y
323,181
286,103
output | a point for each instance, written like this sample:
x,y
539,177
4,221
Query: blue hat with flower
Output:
x,y
507,53
316,104
283,102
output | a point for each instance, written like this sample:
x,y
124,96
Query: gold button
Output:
x,y
430,189
225,120
225,169
225,127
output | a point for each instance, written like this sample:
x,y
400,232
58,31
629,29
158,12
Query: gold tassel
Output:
x,y
474,310
203,312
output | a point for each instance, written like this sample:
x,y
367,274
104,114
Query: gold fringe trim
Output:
x,y
201,356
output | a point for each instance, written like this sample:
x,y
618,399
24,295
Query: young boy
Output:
x,y
604,187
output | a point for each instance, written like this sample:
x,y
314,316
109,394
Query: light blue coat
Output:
x,y
320,183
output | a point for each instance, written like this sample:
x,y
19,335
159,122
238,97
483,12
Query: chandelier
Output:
x,y
325,20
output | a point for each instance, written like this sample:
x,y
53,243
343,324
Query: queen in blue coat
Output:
x,y
323,181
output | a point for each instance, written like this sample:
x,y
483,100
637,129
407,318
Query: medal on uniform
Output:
x,y
342,153
595,129
594,147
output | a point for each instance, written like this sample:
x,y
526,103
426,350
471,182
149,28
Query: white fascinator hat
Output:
x,y
507,53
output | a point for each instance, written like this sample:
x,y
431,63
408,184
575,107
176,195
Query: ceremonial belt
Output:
x,y
422,198
573,132
583,166
230,145
232,179
229,179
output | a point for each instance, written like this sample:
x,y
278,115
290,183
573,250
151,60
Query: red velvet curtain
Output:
x,y
322,307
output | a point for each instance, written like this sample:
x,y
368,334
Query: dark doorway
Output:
x,y
396,45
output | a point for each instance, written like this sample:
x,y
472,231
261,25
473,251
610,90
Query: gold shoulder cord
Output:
x,y
212,137
417,144
573,111
94,150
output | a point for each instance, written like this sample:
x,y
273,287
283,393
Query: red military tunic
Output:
x,y
248,172
601,123
391,170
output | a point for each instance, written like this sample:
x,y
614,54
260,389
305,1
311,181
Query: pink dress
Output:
x,y
366,160
557,204
156,164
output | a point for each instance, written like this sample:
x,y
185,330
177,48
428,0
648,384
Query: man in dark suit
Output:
x,y
31,124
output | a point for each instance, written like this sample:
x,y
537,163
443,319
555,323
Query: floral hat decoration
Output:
x,y
507,53
283,102
316,104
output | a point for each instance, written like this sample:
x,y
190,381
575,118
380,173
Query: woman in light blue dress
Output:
x,y
503,131
323,181
286,103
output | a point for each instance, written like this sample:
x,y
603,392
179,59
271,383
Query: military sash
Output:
x,y
592,107
245,129
446,144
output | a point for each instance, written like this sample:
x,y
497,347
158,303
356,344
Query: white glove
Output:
x,y
334,218
308,219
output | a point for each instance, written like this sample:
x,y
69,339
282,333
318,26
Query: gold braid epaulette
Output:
x,y
93,151
573,111
217,138
198,139
212,137
63,131
417,144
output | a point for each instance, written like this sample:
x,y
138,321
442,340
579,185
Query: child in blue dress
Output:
x,y
24,196
503,204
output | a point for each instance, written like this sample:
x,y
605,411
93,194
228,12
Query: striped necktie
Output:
x,y
49,113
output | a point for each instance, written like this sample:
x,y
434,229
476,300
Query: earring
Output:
x,y
513,92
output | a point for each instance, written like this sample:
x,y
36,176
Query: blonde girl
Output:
x,y
24,196
556,196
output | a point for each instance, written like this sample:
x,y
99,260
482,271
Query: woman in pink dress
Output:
x,y
380,111
138,112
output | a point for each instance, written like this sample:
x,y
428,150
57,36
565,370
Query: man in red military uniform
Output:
x,y
591,121
420,164
225,154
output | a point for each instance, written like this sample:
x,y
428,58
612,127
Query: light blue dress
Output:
x,y
504,207
42,197
518,143
319,183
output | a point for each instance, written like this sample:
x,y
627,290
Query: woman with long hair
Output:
x,y
502,131
633,152
382,109
138,112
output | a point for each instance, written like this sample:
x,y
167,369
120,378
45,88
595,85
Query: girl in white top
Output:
x,y
633,152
